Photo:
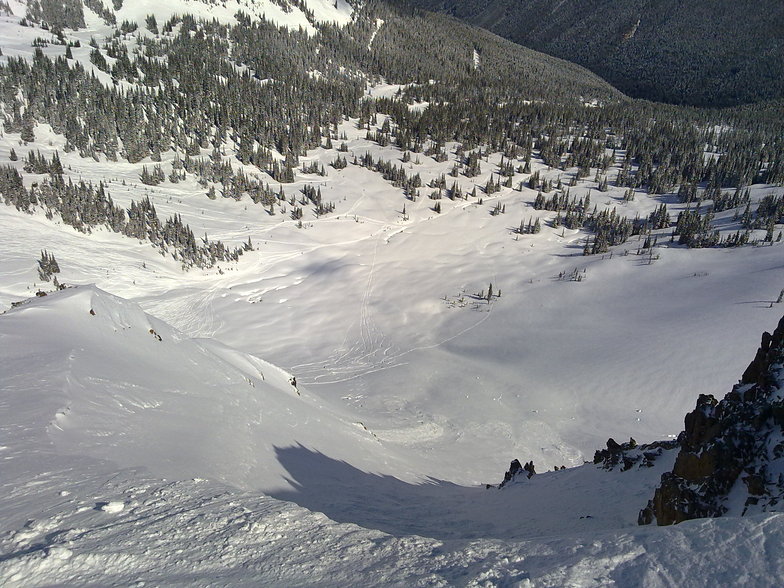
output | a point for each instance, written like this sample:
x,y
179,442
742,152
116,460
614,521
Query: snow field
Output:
x,y
387,309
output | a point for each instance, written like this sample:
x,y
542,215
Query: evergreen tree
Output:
x,y
47,266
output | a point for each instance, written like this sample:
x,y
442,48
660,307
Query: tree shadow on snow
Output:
x,y
345,494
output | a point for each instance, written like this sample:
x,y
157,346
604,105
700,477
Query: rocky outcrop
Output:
x,y
625,456
732,451
516,473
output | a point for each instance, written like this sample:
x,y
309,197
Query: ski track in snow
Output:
x,y
368,352
193,314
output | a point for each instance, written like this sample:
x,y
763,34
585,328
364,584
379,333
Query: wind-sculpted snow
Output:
x,y
198,533
135,391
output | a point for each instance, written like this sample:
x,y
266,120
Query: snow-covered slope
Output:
x,y
123,387
378,312
72,531
126,387
135,451
280,12
100,402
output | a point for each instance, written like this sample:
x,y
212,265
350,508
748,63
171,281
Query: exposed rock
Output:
x,y
733,446
627,455
514,469
516,472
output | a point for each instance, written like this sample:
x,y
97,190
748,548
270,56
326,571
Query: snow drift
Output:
x,y
126,387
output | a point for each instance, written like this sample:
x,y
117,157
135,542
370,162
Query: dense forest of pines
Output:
x,y
718,53
265,95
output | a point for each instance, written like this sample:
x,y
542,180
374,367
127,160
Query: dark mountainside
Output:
x,y
731,456
698,53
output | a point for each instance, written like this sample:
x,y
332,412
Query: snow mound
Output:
x,y
106,380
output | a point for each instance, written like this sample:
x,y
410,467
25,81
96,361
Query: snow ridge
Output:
x,y
136,391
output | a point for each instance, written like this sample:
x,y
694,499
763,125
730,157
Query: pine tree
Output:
x,y
47,266
152,24
27,134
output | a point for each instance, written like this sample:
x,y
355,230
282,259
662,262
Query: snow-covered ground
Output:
x,y
188,460
379,312
280,13
127,446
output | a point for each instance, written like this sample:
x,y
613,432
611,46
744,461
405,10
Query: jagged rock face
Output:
x,y
733,446
516,472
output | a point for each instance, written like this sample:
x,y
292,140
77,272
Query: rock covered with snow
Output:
x,y
625,456
731,457
517,473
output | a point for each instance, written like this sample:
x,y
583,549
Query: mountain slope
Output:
x,y
72,514
302,15
126,387
90,376
708,54
378,179
372,215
